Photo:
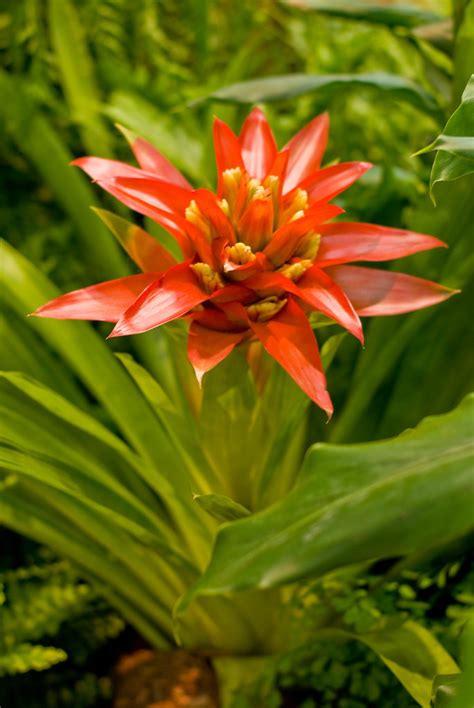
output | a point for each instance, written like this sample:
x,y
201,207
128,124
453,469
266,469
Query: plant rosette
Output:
x,y
258,256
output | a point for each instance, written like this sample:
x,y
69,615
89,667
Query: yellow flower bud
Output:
x,y
208,278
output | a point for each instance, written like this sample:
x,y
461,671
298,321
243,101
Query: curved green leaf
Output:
x,y
455,145
375,12
353,503
221,507
277,88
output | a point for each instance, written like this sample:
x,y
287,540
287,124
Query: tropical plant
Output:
x,y
161,492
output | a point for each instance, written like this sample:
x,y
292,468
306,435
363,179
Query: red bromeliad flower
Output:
x,y
258,256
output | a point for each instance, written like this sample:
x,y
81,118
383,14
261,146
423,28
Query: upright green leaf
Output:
x,y
353,503
77,74
42,147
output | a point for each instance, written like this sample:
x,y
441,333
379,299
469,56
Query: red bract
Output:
x,y
258,256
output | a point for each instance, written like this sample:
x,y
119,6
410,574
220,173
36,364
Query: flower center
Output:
x,y
308,246
240,253
194,215
295,270
208,278
295,208
266,309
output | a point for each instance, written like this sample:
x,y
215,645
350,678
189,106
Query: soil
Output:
x,y
148,679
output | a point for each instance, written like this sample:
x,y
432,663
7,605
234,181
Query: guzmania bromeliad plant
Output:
x,y
258,257
139,506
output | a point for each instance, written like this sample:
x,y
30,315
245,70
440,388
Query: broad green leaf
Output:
x,y
413,654
465,687
410,651
277,88
221,507
460,146
455,145
392,15
77,75
42,147
444,690
351,504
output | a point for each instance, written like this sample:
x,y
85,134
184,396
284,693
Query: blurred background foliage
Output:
x,y
69,70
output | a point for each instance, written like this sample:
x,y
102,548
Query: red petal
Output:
x,y
207,347
227,148
99,168
168,299
105,172
105,301
382,292
145,250
317,289
278,168
289,339
246,270
346,242
258,144
209,205
255,226
213,318
229,293
156,192
306,150
286,239
150,159
331,181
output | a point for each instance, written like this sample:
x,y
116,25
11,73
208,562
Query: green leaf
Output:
x,y
277,88
455,145
413,654
177,143
445,688
42,146
351,504
77,74
329,349
463,46
25,288
375,12
465,688
460,146
221,507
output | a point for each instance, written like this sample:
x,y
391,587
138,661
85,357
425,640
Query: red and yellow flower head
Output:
x,y
257,257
